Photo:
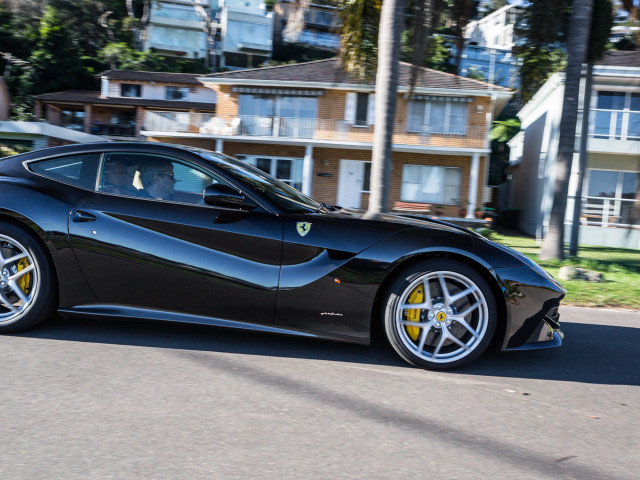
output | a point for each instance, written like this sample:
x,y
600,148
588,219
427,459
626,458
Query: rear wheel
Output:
x,y
27,286
440,314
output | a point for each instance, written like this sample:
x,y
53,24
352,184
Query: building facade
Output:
x,y
126,98
320,24
495,30
246,33
609,214
174,28
311,125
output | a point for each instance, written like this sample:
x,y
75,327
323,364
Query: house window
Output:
x,y
176,93
617,116
278,115
437,116
130,90
73,120
287,170
359,109
430,184
366,179
612,184
613,192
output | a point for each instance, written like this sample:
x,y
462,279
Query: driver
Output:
x,y
157,179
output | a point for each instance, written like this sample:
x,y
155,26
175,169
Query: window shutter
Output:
x,y
371,109
350,108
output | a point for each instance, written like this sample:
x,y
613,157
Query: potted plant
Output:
x,y
438,210
479,212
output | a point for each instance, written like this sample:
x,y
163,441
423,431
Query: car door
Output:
x,y
176,254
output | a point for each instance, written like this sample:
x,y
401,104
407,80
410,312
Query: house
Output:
x,y
246,33
125,100
610,189
241,31
174,28
34,135
495,30
311,125
497,65
320,24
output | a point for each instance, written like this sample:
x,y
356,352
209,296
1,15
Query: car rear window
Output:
x,y
78,170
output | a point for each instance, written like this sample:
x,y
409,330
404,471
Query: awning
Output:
x,y
278,91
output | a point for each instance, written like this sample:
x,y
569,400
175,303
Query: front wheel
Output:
x,y
27,284
439,314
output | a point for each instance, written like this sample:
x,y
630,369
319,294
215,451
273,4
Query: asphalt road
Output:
x,y
88,399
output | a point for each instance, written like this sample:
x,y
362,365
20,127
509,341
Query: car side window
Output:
x,y
78,170
156,177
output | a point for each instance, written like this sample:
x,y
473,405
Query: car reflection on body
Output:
x,y
228,245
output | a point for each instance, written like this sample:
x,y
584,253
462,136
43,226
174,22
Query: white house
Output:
x,y
246,33
175,29
495,30
609,214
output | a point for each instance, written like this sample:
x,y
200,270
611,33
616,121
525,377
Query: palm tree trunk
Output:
x,y
391,21
577,207
553,244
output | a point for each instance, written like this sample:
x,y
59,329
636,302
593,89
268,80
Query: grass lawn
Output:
x,y
619,266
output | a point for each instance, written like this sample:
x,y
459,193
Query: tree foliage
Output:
x,y
543,30
360,20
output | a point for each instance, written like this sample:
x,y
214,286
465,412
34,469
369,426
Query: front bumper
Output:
x,y
547,334
532,302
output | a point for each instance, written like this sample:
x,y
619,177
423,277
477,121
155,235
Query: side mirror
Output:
x,y
220,195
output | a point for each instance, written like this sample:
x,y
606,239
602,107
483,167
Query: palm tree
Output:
x,y
553,244
392,19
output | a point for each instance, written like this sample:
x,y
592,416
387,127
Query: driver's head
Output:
x,y
157,178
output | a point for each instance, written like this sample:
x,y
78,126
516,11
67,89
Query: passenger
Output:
x,y
157,179
117,178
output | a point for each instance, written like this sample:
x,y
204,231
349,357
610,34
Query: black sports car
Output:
x,y
168,233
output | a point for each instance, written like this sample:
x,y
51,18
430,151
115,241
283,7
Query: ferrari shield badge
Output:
x,y
303,228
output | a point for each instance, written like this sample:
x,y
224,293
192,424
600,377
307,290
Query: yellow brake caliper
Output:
x,y
24,282
413,315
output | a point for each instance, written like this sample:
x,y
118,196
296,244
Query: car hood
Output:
x,y
352,231
400,222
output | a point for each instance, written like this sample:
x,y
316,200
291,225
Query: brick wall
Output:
x,y
327,162
326,166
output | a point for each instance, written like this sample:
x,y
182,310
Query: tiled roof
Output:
x,y
93,97
620,58
161,77
331,71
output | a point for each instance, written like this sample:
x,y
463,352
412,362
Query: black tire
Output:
x,y
448,332
28,287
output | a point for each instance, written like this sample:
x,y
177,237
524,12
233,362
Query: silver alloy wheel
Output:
x,y
449,321
19,280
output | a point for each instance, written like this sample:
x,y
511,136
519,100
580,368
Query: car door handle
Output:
x,y
80,216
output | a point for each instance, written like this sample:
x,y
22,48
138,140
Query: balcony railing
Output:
x,y
113,129
309,128
608,212
615,124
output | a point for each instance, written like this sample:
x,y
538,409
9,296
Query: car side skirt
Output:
x,y
134,313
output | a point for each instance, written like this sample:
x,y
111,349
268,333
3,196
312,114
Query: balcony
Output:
x,y
331,130
615,131
608,212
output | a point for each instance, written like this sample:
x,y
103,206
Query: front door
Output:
x,y
350,183
178,254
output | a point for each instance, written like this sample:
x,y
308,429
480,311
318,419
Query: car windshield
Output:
x,y
279,193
